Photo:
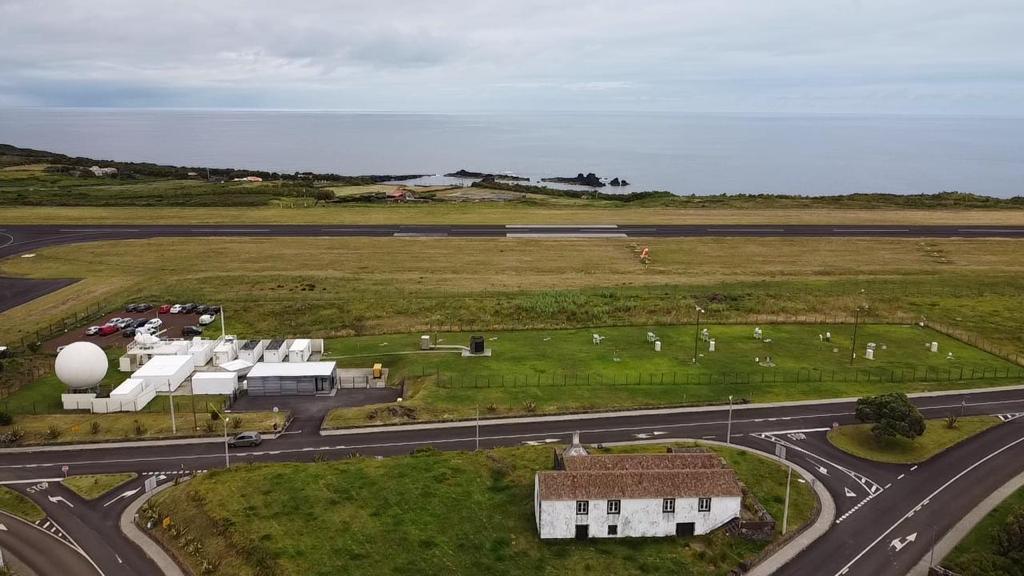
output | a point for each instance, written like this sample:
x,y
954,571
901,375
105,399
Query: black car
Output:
x,y
143,307
188,308
191,331
140,322
201,309
131,307
128,333
213,309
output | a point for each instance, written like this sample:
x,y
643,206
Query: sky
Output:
x,y
746,56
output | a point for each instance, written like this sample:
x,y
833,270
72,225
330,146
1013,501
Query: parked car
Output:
x,y
128,332
188,308
92,330
246,439
140,322
191,331
213,310
131,308
176,309
201,309
115,320
164,309
108,329
206,319
154,323
143,307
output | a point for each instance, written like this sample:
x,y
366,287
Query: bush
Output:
x,y
214,415
1010,538
236,423
11,437
94,427
5,418
140,429
53,433
530,406
892,414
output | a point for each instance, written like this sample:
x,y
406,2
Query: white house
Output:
x,y
636,495
97,171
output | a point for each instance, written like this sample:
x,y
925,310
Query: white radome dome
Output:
x,y
81,365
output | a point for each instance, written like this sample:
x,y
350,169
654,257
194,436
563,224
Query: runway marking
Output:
x,y
356,230
231,230
420,234
878,230
561,226
745,229
925,501
566,235
97,230
993,230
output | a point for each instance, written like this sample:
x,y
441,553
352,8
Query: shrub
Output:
x,y
11,437
492,407
53,433
5,418
530,406
952,420
236,423
214,415
94,427
140,429
1010,537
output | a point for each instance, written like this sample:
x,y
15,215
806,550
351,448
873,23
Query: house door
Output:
x,y
323,385
684,528
582,531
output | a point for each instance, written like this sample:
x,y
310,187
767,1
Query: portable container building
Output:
x,y
276,351
252,350
214,382
226,351
165,373
300,350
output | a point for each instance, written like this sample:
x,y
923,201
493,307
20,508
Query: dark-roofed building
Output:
x,y
636,495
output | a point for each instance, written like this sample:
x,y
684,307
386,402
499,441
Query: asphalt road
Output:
x,y
881,508
41,550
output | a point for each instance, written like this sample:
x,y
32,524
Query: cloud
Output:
x,y
935,56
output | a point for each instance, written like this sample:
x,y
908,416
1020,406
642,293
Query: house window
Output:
x,y
613,530
614,506
704,505
668,505
582,507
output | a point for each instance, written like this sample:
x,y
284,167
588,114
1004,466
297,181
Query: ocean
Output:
x,y
681,153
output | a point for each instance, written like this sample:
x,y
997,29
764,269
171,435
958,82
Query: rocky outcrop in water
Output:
x,y
483,175
590,179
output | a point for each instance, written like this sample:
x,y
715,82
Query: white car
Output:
x,y
154,324
206,319
176,309
92,330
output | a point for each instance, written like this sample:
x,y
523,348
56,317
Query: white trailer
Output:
x,y
226,351
276,351
214,382
166,373
252,350
300,350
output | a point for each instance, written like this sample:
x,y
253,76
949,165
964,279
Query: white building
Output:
x,y
165,373
636,495
97,171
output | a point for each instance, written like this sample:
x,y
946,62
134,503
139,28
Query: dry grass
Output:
x,y
486,213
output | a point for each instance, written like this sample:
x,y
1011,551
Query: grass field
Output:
x,y
563,371
20,506
977,554
432,513
857,439
92,486
75,427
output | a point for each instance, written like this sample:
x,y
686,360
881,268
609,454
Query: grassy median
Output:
x,y
430,513
14,503
857,439
92,486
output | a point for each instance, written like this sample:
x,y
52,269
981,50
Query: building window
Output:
x,y
582,507
614,506
704,505
668,505
613,530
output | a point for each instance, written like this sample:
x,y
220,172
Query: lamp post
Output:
x,y
696,334
227,461
728,429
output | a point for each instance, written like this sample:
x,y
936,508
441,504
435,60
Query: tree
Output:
x,y
1010,537
324,195
892,414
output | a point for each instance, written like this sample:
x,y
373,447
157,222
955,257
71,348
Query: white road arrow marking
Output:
x,y
823,470
3,528
56,499
899,544
161,477
850,493
122,495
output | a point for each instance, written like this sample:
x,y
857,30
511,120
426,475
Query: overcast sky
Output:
x,y
759,56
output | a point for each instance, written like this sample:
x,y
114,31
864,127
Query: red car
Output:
x,y
108,329
164,309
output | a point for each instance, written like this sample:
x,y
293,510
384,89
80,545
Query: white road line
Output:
x,y
561,226
900,477
871,230
745,229
994,230
227,230
420,234
359,231
926,500
98,230
565,235
912,468
868,484
33,481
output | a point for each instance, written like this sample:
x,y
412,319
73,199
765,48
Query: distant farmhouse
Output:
x,y
635,495
97,171
248,179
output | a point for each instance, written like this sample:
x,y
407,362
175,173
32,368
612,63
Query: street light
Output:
x,y
696,334
227,461
728,430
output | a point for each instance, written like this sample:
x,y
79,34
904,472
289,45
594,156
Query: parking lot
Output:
x,y
173,323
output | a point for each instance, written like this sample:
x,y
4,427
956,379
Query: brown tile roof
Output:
x,y
625,484
663,461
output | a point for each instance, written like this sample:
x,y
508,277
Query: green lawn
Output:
x,y
562,370
857,439
977,554
432,513
20,506
92,486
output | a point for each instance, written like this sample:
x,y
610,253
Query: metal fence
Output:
x,y
766,377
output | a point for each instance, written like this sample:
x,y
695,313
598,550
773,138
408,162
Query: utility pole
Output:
x,y
174,423
785,512
227,461
478,428
696,334
856,321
